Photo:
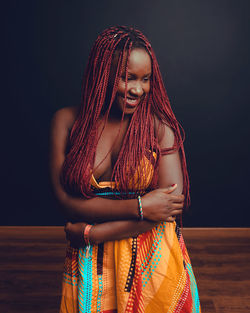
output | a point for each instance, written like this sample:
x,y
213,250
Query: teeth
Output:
x,y
132,100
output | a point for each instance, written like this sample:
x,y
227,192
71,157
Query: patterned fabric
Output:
x,y
149,273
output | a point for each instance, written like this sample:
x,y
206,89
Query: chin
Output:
x,y
128,111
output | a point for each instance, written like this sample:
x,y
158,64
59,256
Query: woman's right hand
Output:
x,y
74,234
160,205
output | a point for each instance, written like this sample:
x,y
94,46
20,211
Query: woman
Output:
x,y
119,172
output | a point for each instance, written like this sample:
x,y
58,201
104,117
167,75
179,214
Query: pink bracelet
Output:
x,y
86,234
86,239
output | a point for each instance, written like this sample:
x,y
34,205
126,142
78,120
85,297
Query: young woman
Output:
x,y
119,173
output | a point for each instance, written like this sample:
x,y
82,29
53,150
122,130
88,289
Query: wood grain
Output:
x,y
31,265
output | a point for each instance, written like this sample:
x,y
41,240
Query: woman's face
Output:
x,y
138,85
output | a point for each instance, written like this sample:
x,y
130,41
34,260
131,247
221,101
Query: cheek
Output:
x,y
147,88
121,87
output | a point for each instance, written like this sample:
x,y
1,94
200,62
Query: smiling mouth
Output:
x,y
131,102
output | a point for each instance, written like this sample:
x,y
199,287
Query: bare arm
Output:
x,y
158,205
119,230
79,209
108,231
170,172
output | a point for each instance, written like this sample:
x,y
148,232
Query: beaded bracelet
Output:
x,y
86,238
140,208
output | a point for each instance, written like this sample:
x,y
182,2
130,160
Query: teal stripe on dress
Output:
x,y
110,193
194,290
85,280
154,255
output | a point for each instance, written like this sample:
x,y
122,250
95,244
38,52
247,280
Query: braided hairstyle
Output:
x,y
140,140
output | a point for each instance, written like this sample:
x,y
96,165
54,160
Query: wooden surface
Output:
x,y
31,265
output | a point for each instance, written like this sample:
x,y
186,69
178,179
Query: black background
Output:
x,y
203,50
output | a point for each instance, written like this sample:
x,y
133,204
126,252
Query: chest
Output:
x,y
108,149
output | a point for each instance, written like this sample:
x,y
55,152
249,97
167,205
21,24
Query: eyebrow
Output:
x,y
132,74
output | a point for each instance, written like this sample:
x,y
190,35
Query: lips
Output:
x,y
132,102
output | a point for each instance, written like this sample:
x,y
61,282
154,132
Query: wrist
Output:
x,y
144,206
130,206
93,235
140,210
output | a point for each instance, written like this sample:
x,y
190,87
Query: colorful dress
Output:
x,y
149,273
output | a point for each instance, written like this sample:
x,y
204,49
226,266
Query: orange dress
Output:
x,y
149,273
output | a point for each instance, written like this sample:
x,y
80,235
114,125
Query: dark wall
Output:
x,y
203,52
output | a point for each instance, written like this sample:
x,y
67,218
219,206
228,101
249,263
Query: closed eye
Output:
x,y
129,78
146,78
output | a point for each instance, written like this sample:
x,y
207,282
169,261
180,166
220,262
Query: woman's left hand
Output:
x,y
74,233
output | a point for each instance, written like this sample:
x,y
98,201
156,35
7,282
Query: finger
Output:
x,y
171,219
177,206
170,188
177,198
176,212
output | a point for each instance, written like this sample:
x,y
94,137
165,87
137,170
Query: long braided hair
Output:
x,y
140,141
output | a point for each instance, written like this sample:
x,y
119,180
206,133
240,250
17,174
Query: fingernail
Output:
x,y
173,185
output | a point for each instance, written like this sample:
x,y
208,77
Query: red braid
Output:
x,y
140,138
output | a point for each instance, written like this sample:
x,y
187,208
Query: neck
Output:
x,y
115,116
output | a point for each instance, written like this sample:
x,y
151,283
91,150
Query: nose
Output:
x,y
136,90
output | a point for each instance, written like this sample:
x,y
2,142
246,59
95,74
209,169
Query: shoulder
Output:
x,y
65,117
61,125
164,133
